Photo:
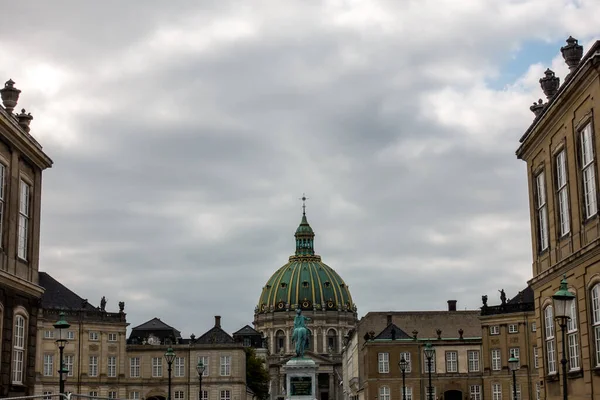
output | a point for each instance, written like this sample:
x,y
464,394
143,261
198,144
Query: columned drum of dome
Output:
x,y
305,282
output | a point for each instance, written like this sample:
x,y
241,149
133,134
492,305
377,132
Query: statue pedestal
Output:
x,y
301,379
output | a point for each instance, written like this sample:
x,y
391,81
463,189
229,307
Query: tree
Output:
x,y
257,376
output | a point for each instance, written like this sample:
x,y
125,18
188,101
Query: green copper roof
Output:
x,y
305,282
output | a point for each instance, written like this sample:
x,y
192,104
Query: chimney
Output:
x,y
217,321
389,319
451,305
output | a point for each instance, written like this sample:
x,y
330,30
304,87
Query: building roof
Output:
x,y
215,335
247,330
524,296
56,295
392,332
155,327
305,282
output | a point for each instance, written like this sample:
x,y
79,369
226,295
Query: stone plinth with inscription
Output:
x,y
301,375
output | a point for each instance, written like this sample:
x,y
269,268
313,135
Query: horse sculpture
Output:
x,y
301,335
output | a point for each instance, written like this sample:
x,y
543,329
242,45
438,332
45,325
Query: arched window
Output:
x,y
549,339
18,349
384,393
596,319
279,341
331,341
573,338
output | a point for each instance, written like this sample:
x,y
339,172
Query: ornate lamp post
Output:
x,y
403,364
429,354
563,301
60,325
169,356
200,368
513,364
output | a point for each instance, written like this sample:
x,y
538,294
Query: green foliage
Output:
x,y
257,376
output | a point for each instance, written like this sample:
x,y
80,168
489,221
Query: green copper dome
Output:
x,y
305,282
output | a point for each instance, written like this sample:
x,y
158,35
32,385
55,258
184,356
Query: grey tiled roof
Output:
x,y
393,332
215,335
247,330
56,295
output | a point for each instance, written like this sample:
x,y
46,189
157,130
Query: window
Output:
x,y
473,357
134,395
112,367
225,365
112,337
588,173
68,361
451,361
542,211
225,395
514,352
331,340
134,367
93,393
536,362
93,336
533,327
427,394
279,341
496,360
2,195
513,328
562,193
18,349
573,338
247,342
47,395
179,366
47,334
549,339
24,215
538,392
384,393
496,391
512,392
70,335
93,370
112,394
178,395
205,361
406,356
494,330
475,392
203,395
384,363
156,367
48,364
425,364
596,319
408,393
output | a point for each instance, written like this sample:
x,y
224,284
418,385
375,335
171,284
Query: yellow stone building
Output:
x,y
561,150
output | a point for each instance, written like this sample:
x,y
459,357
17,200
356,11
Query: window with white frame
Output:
x,y
112,337
496,360
47,395
48,334
596,320
135,395
562,194
494,330
70,335
588,173
48,364
134,367
549,339
475,391
247,342
542,211
515,352
513,328
426,364
536,357
18,360
428,393
538,391
225,395
473,357
68,360
24,216
205,361
93,366
406,356
384,363
179,366
179,395
451,361
2,197
512,392
94,336
111,367
93,393
573,338
408,392
496,391
533,327
112,394
157,367
203,395
225,369
384,393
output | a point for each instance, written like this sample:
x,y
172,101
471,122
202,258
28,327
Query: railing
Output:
x,y
58,396
507,308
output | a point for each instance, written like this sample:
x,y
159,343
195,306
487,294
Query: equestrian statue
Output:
x,y
301,335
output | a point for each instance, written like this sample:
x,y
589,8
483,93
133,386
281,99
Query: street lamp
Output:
x,y
429,354
200,368
563,301
403,364
60,325
513,364
169,356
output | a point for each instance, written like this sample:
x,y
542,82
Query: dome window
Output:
x,y
283,285
327,284
342,285
305,284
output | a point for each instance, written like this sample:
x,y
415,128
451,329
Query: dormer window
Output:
x,y
305,284
327,284
283,285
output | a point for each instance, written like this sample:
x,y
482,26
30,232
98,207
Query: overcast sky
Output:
x,y
183,134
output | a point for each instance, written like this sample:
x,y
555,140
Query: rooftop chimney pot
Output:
x,y
217,321
451,305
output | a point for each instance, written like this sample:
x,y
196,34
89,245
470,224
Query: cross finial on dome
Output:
x,y
303,198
